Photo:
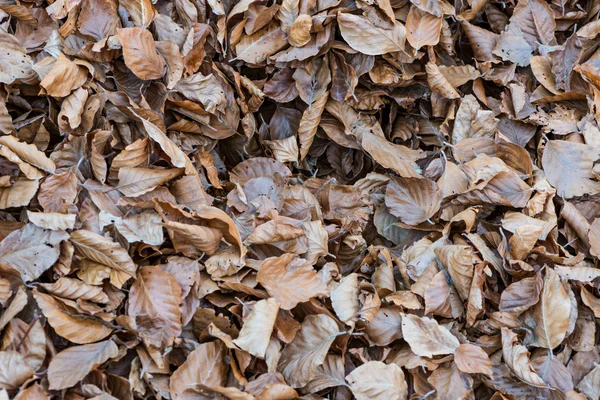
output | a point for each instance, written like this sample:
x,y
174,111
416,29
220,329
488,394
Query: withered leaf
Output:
x,y
300,359
72,365
139,52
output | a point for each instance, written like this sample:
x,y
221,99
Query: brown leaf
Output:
x,y
31,250
426,337
205,366
290,280
76,328
472,359
139,52
103,251
300,359
299,33
364,36
70,366
375,379
155,304
64,77
568,167
413,200
256,331
422,28
309,124
552,313
516,357
13,370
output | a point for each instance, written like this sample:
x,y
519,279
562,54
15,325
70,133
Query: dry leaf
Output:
x,y
426,337
375,379
70,366
300,359
290,280
472,359
139,52
413,200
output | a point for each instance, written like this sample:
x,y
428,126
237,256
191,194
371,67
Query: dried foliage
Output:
x,y
269,200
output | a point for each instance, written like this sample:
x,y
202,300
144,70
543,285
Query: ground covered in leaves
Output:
x,y
270,200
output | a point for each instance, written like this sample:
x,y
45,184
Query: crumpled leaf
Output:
x,y
300,359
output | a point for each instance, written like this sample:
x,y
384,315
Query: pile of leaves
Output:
x,y
369,199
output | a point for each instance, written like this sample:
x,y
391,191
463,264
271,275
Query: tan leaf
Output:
x,y
134,155
318,240
71,365
329,374
426,337
256,48
142,12
19,194
521,295
364,36
58,190
422,28
309,124
139,52
205,366
590,384
137,181
458,261
28,153
516,357
64,77
144,227
155,303
288,12
76,328
376,380
16,63
459,75
438,82
385,327
256,331
568,167
552,313
54,221
31,250
594,237
14,371
472,359
33,392
74,289
299,33
102,250
398,158
290,280
206,90
300,359
27,339
344,298
413,200
284,150
193,240
471,121
536,21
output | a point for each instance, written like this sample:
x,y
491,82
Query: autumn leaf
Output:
x,y
290,280
375,379
426,337
472,359
70,366
139,52
300,359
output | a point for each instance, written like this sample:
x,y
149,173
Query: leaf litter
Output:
x,y
370,199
